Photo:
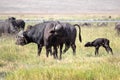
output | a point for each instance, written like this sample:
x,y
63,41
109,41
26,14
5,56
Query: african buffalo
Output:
x,y
32,35
62,33
8,26
117,28
99,42
19,23
51,40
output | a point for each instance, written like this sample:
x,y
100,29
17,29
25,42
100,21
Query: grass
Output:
x,y
22,62
92,16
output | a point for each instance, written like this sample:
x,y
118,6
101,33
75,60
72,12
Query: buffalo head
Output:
x,y
88,44
21,39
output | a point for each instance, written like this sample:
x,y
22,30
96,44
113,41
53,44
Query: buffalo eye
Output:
x,y
52,31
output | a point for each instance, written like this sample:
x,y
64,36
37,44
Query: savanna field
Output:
x,y
22,62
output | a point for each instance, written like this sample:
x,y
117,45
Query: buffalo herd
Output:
x,y
50,34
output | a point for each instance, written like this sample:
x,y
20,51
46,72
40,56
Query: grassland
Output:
x,y
22,62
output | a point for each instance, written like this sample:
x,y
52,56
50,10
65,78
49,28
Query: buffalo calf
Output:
x,y
100,42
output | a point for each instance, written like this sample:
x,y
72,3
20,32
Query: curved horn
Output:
x,y
21,33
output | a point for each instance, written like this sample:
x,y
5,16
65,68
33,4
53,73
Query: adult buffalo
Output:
x,y
19,23
51,40
8,26
59,34
32,35
117,28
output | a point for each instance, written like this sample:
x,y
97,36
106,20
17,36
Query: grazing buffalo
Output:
x,y
8,26
117,28
62,33
33,34
99,42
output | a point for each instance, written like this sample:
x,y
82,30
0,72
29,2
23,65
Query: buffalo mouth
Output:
x,y
86,45
21,44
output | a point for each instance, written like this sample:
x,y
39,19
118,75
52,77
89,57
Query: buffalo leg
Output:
x,y
61,46
67,46
51,52
55,52
48,49
39,49
73,48
96,50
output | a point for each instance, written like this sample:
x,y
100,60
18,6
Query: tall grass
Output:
x,y
22,62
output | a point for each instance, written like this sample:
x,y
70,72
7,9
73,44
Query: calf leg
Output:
x,y
107,47
110,49
97,50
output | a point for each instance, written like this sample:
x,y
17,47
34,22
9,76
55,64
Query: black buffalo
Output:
x,y
51,40
99,42
59,34
33,34
19,23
